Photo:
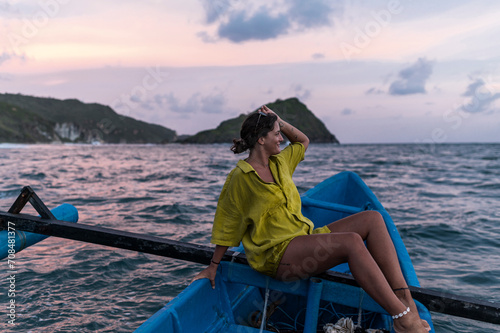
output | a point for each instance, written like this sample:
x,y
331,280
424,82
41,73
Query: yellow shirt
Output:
x,y
261,215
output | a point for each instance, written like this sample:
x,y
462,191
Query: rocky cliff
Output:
x,y
27,119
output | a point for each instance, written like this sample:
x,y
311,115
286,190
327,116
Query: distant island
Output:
x,y
291,109
29,119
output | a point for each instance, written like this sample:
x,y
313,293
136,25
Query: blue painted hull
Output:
x,y
22,240
237,303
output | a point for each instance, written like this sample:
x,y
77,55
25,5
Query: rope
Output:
x,y
263,322
22,239
360,313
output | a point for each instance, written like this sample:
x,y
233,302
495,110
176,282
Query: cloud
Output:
x,y
214,9
8,9
300,92
260,26
31,10
347,112
242,24
205,37
318,56
412,79
481,97
374,91
211,103
4,57
310,13
191,105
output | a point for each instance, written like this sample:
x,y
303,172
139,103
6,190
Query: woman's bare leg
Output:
x,y
371,227
310,255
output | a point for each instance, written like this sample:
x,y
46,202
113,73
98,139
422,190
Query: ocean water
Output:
x,y
445,200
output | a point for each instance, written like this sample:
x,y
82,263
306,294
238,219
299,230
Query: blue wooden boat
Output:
x,y
243,297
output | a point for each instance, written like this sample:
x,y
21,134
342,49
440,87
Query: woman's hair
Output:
x,y
256,125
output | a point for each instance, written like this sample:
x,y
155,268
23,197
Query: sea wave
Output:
x,y
445,200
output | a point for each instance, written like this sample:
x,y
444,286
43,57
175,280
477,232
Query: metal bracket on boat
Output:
x,y
235,255
28,195
367,206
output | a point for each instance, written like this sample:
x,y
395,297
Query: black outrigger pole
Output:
x,y
435,301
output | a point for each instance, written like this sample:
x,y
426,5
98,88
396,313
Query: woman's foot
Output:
x,y
404,295
410,323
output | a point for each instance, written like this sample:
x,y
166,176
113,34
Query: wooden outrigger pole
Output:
x,y
435,301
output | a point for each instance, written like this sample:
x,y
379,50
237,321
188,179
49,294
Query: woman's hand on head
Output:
x,y
267,110
208,273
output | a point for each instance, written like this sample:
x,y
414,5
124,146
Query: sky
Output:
x,y
380,71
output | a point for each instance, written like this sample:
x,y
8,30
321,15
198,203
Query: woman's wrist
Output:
x,y
281,122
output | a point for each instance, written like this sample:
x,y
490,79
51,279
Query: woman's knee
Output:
x,y
372,215
353,238
352,242
373,219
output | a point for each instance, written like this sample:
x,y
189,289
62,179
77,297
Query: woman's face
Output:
x,y
273,140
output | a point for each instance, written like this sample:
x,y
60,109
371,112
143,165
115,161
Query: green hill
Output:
x,y
20,126
28,119
291,110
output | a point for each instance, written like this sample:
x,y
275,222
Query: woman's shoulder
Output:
x,y
293,149
243,167
238,171
290,156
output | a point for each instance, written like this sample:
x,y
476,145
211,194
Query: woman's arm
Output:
x,y
292,133
211,270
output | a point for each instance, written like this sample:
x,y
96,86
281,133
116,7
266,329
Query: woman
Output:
x,y
260,206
